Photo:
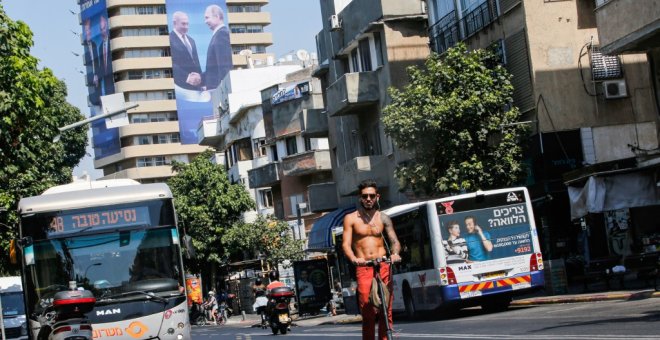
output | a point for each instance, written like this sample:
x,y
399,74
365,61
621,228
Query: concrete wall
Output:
x,y
623,22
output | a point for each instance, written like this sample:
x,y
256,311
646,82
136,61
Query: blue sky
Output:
x,y
57,40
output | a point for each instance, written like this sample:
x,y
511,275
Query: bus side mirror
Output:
x,y
13,256
188,247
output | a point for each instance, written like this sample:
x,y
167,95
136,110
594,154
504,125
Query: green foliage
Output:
x,y
207,204
456,120
32,107
270,237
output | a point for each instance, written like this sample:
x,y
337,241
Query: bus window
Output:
x,y
412,232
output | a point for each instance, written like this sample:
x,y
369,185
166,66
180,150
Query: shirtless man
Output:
x,y
364,241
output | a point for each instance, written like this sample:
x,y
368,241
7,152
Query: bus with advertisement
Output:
x,y
116,238
472,249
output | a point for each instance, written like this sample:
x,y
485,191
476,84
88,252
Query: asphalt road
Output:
x,y
638,319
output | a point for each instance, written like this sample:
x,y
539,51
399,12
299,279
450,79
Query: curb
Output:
x,y
355,319
589,298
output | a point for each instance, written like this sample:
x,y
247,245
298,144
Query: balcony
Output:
x,y
306,163
444,33
207,134
359,15
619,33
352,92
287,115
360,168
478,18
322,197
264,176
314,123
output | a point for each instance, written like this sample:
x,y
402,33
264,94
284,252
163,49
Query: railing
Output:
x,y
444,33
473,21
448,31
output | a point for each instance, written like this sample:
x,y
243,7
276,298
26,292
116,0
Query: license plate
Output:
x,y
493,275
467,295
284,318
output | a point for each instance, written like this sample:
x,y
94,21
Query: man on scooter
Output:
x,y
364,240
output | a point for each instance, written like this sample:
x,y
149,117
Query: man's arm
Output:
x,y
488,245
395,246
347,244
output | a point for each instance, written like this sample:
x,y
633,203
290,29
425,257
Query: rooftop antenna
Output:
x,y
303,56
248,57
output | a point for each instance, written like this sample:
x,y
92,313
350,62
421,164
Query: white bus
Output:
x,y
116,238
472,249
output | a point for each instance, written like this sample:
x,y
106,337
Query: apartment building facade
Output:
x,y
592,114
237,132
138,55
296,145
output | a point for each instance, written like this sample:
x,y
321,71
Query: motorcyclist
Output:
x,y
275,282
212,306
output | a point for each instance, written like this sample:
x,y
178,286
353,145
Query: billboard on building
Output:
x,y
98,76
201,58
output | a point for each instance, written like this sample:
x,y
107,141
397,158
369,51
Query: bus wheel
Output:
x,y
496,304
409,304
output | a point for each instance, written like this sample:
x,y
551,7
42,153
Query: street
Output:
x,y
595,320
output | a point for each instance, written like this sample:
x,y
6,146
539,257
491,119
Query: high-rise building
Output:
x,y
131,39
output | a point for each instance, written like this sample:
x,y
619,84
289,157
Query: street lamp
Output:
x,y
112,105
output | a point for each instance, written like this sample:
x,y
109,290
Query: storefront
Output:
x,y
617,212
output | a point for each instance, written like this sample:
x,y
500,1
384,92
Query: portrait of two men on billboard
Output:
x,y
201,58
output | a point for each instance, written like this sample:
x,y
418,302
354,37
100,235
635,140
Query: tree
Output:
x,y
267,236
456,120
32,107
207,204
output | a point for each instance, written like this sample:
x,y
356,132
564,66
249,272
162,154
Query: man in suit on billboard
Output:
x,y
91,60
218,57
104,68
185,61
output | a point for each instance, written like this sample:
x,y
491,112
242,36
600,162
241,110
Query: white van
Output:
x,y
13,308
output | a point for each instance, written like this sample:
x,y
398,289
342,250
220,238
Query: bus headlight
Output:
x,y
180,337
181,325
24,329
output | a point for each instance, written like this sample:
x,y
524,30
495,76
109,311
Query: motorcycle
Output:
x,y
65,319
278,309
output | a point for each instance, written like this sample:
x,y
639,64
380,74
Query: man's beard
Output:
x,y
373,206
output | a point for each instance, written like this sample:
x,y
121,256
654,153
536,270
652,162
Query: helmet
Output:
x,y
211,293
274,275
257,282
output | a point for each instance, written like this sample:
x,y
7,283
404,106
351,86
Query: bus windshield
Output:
x,y
112,265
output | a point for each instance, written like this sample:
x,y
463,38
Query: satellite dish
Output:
x,y
302,55
245,52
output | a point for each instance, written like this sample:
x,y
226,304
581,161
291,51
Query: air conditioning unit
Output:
x,y
335,24
614,89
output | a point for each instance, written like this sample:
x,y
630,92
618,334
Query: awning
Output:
x,y
320,237
617,191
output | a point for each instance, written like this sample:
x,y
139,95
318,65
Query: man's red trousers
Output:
x,y
369,312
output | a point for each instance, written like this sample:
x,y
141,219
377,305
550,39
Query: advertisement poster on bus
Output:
x,y
312,284
99,77
485,233
201,58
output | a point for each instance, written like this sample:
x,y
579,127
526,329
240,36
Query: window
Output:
x,y
244,149
308,144
142,140
378,45
265,198
144,162
243,8
273,151
160,160
295,199
291,146
150,95
153,117
354,61
365,55
259,147
238,28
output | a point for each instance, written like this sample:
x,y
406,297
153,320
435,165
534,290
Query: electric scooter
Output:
x,y
381,293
